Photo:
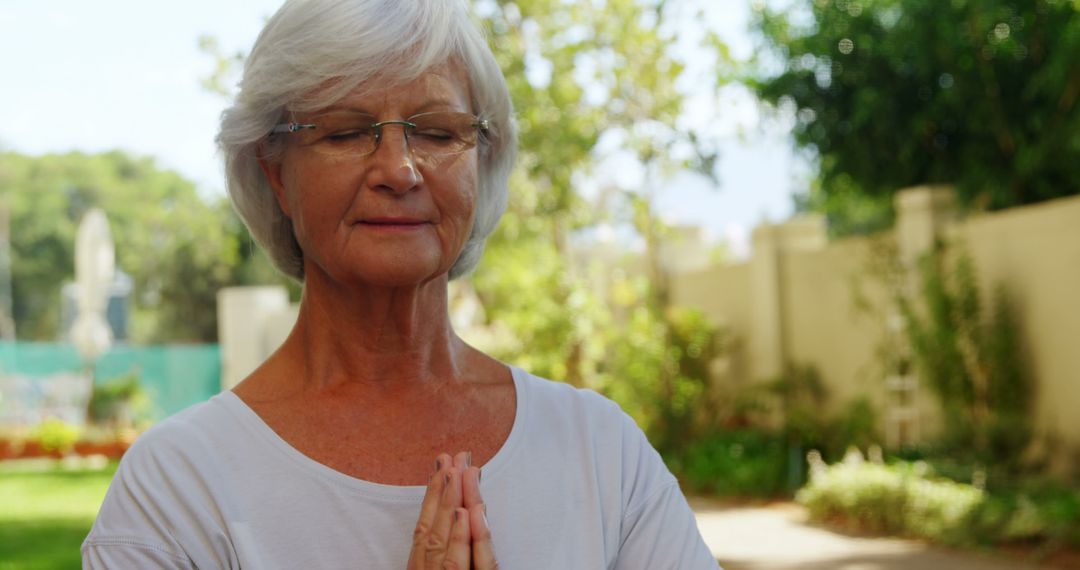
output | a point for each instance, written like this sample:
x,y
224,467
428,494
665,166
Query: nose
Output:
x,y
393,166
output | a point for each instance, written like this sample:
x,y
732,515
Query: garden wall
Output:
x,y
795,301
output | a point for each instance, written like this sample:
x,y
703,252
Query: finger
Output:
x,y
470,487
483,549
430,505
449,502
463,460
459,552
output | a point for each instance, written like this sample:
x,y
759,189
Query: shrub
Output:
x,y
908,498
56,435
897,499
742,463
862,495
121,402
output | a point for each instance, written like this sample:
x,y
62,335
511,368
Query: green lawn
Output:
x,y
45,513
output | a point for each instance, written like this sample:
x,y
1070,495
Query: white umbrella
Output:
x,y
95,264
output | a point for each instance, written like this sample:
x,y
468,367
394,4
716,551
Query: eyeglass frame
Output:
x,y
482,126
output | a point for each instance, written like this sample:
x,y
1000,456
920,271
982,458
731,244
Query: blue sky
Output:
x,y
95,76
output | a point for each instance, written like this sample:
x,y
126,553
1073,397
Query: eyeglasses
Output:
x,y
350,133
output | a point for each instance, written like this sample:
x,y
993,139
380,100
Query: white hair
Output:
x,y
314,52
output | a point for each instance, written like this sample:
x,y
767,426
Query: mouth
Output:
x,y
393,223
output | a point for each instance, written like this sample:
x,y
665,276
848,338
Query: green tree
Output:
x,y
178,248
580,74
894,93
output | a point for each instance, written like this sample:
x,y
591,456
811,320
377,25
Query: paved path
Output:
x,y
777,538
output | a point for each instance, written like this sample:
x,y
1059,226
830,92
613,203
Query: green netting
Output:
x,y
175,376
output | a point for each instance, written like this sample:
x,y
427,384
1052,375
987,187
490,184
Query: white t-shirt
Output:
x,y
576,485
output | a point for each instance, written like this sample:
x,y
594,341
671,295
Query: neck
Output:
x,y
389,339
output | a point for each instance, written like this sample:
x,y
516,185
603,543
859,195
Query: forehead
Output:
x,y
439,87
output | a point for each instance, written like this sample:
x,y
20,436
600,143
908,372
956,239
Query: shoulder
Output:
x,y
192,430
176,450
561,397
580,412
583,418
165,491
649,523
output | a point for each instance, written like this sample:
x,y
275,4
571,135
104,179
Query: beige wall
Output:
x,y
798,293
1035,253
721,292
823,327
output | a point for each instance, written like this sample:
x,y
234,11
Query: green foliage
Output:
x,y
55,435
121,402
894,93
611,74
802,396
734,463
738,455
910,499
898,499
665,386
801,399
971,360
857,425
1043,512
178,248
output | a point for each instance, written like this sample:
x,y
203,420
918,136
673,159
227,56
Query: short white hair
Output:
x,y
314,52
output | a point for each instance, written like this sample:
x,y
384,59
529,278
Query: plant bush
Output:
x,y
121,402
737,463
910,499
55,435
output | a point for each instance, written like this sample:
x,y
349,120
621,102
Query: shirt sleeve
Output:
x,y
663,534
658,529
158,512
131,530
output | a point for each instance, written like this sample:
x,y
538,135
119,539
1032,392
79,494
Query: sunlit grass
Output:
x,y
45,513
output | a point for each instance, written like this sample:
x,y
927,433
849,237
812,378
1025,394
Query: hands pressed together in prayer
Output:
x,y
452,532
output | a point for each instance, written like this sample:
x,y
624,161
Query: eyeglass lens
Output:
x,y
359,134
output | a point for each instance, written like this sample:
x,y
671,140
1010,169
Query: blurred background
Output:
x,y
825,252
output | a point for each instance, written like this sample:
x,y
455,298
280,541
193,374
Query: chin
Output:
x,y
401,275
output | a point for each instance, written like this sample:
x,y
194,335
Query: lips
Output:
x,y
393,221
393,224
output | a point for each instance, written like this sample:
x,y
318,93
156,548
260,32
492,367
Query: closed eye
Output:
x,y
349,135
434,134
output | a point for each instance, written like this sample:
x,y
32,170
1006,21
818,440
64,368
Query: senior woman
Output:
x,y
368,151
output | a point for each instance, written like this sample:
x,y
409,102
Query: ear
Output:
x,y
272,171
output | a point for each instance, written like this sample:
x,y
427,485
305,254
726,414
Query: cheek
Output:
x,y
470,189
466,201
312,200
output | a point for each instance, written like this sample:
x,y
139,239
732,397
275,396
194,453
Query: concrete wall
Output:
x,y
823,326
1035,253
794,300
